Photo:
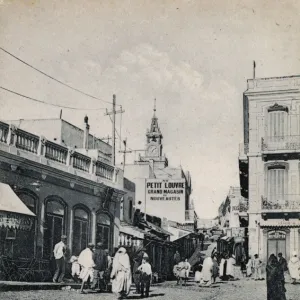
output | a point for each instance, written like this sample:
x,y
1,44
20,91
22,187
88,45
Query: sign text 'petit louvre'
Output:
x,y
165,190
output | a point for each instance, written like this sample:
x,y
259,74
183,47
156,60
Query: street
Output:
x,y
235,290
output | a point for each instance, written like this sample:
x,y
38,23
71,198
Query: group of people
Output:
x,y
92,265
96,267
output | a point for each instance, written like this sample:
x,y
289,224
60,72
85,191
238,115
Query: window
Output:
x,y
55,221
103,230
276,183
277,123
80,230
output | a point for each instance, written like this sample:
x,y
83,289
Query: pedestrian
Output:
x,y
75,269
121,274
146,277
137,261
87,264
60,253
184,268
176,258
108,258
249,267
215,268
294,266
223,268
230,267
207,270
275,284
257,268
283,264
243,266
100,260
198,272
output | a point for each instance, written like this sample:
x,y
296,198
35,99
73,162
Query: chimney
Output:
x,y
86,133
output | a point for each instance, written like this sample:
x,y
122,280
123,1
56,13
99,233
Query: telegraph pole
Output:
x,y
113,113
124,153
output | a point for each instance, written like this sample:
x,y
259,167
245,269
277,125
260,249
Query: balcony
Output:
x,y
287,206
39,149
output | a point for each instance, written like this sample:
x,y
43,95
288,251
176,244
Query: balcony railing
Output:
x,y
28,142
56,152
273,143
3,132
104,170
81,162
281,203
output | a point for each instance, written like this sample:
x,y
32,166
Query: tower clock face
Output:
x,y
153,150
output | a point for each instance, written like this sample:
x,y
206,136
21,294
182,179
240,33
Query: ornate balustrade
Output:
x,y
273,143
26,141
56,152
3,132
281,202
81,162
104,170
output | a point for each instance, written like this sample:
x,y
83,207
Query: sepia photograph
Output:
x,y
149,149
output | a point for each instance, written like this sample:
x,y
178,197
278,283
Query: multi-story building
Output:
x,y
68,190
269,164
161,190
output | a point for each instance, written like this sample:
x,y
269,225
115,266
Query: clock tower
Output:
x,y
154,138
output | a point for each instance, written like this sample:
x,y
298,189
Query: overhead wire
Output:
x,y
47,103
51,77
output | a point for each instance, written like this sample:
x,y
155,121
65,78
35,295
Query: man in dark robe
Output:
x,y
275,280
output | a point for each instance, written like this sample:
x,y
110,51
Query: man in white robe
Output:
x,y
293,267
207,270
87,264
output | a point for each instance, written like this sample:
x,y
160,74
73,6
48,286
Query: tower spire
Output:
x,y
154,109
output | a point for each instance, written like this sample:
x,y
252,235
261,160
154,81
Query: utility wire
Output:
x,y
59,81
47,103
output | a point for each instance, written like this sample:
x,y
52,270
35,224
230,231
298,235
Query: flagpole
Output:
x,y
254,66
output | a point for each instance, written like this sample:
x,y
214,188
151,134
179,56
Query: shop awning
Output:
x,y
10,202
13,212
132,230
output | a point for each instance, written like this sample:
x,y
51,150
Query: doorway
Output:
x,y
277,243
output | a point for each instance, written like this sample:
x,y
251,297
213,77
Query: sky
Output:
x,y
194,57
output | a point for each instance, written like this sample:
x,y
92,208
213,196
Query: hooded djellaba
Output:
x,y
121,274
275,280
293,267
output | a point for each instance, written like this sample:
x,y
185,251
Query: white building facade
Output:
x,y
269,165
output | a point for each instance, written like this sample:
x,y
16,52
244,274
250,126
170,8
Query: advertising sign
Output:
x,y
13,220
166,199
165,190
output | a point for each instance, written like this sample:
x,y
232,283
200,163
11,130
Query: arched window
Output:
x,y
103,233
80,229
55,224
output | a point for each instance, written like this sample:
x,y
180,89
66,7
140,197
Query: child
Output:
x,y
257,268
146,276
75,268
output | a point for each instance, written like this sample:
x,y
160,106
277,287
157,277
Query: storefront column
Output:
x,y
40,237
70,231
93,229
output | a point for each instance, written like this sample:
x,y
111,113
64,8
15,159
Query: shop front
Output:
x,y
17,235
